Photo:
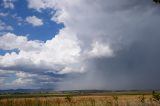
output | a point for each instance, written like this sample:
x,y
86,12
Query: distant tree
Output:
x,y
156,1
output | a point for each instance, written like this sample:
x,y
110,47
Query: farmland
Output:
x,y
81,99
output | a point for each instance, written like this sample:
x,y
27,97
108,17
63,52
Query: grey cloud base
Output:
x,y
134,36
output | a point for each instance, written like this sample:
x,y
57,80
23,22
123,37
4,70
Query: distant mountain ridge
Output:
x,y
26,91
66,91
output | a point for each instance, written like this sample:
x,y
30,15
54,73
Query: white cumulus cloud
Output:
x,y
62,50
8,4
5,27
35,21
10,41
3,14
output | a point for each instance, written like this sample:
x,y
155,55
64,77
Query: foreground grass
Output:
x,y
120,100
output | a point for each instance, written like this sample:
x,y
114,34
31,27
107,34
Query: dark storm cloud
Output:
x,y
136,60
133,67
136,67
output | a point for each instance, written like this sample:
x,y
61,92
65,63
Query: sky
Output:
x,y
79,44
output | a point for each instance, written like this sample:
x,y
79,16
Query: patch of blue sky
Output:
x,y
16,18
3,52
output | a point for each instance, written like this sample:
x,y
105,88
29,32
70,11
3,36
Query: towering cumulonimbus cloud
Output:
x,y
105,44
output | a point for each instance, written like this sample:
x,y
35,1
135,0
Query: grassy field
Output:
x,y
92,99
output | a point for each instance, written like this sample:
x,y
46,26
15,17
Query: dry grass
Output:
x,y
124,100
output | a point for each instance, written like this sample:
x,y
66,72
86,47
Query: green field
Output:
x,y
69,93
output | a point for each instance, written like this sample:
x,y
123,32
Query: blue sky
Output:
x,y
44,32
